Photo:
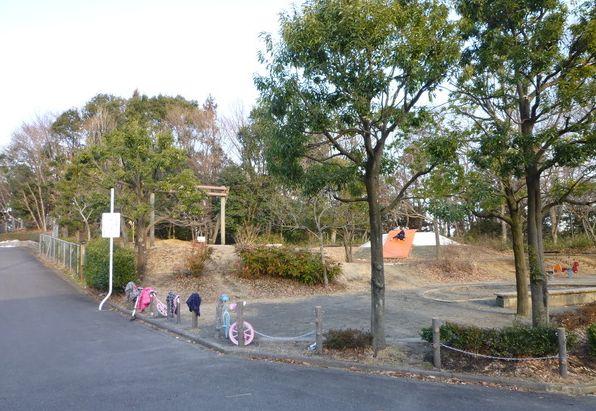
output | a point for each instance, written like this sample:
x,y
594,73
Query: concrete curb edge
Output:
x,y
576,389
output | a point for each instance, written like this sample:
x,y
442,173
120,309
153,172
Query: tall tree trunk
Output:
x,y
141,246
437,239
521,268
88,230
377,269
124,230
503,226
347,242
538,283
333,235
554,223
322,252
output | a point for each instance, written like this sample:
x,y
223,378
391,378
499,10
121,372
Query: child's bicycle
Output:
x,y
226,318
249,331
134,292
229,330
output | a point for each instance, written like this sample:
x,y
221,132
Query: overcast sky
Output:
x,y
57,54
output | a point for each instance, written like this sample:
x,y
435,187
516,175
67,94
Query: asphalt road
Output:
x,y
57,352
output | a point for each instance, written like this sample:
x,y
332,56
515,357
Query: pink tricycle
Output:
x,y
249,331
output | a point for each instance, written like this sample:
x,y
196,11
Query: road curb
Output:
x,y
581,389
575,389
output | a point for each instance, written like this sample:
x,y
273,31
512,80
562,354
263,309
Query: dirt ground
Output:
x,y
459,264
275,303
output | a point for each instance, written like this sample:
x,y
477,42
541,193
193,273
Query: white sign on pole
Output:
x,y
110,228
110,225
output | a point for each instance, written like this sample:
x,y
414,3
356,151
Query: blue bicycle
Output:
x,y
226,318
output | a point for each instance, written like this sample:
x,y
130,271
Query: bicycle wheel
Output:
x,y
249,333
225,326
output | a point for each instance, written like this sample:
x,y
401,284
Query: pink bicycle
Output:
x,y
249,331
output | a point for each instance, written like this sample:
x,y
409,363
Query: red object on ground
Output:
x,y
396,248
575,267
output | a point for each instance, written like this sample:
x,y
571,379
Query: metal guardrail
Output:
x,y
62,252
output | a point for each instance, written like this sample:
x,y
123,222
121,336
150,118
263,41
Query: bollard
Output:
x,y
319,329
436,343
179,309
240,323
562,351
152,307
170,305
218,318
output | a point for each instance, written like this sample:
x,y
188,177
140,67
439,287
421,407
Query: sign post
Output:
x,y
110,228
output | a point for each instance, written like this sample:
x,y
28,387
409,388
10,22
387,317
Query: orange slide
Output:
x,y
396,248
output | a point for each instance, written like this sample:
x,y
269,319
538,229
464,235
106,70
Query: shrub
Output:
x,y
200,254
299,265
246,235
347,339
515,341
591,331
581,242
96,267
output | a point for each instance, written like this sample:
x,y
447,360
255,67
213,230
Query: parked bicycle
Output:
x,y
249,331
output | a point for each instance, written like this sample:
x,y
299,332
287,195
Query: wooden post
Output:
x,y
178,312
437,239
218,319
81,260
152,220
223,221
562,351
319,329
436,343
240,323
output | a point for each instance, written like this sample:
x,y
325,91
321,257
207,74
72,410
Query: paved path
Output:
x,y
57,352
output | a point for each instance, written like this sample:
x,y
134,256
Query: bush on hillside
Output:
x,y
96,268
299,265
200,254
592,339
347,339
515,341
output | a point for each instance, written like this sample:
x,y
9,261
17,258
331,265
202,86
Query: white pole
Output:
x,y
111,254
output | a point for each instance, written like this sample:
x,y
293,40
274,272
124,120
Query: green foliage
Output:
x,y
96,267
579,242
515,341
299,265
347,339
200,254
591,332
348,69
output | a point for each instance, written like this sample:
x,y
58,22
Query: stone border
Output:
x,y
570,389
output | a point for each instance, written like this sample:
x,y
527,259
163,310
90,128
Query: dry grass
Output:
x,y
579,318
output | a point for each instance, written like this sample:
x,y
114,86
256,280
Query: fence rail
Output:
x,y
62,252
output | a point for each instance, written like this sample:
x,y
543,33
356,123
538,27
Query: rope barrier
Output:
x,y
296,338
498,358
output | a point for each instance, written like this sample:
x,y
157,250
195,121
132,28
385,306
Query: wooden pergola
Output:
x,y
211,191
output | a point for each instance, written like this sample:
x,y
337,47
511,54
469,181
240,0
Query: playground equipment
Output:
x,y
564,268
395,247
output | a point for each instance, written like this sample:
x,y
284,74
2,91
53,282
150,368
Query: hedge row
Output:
x,y
96,267
515,341
299,265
